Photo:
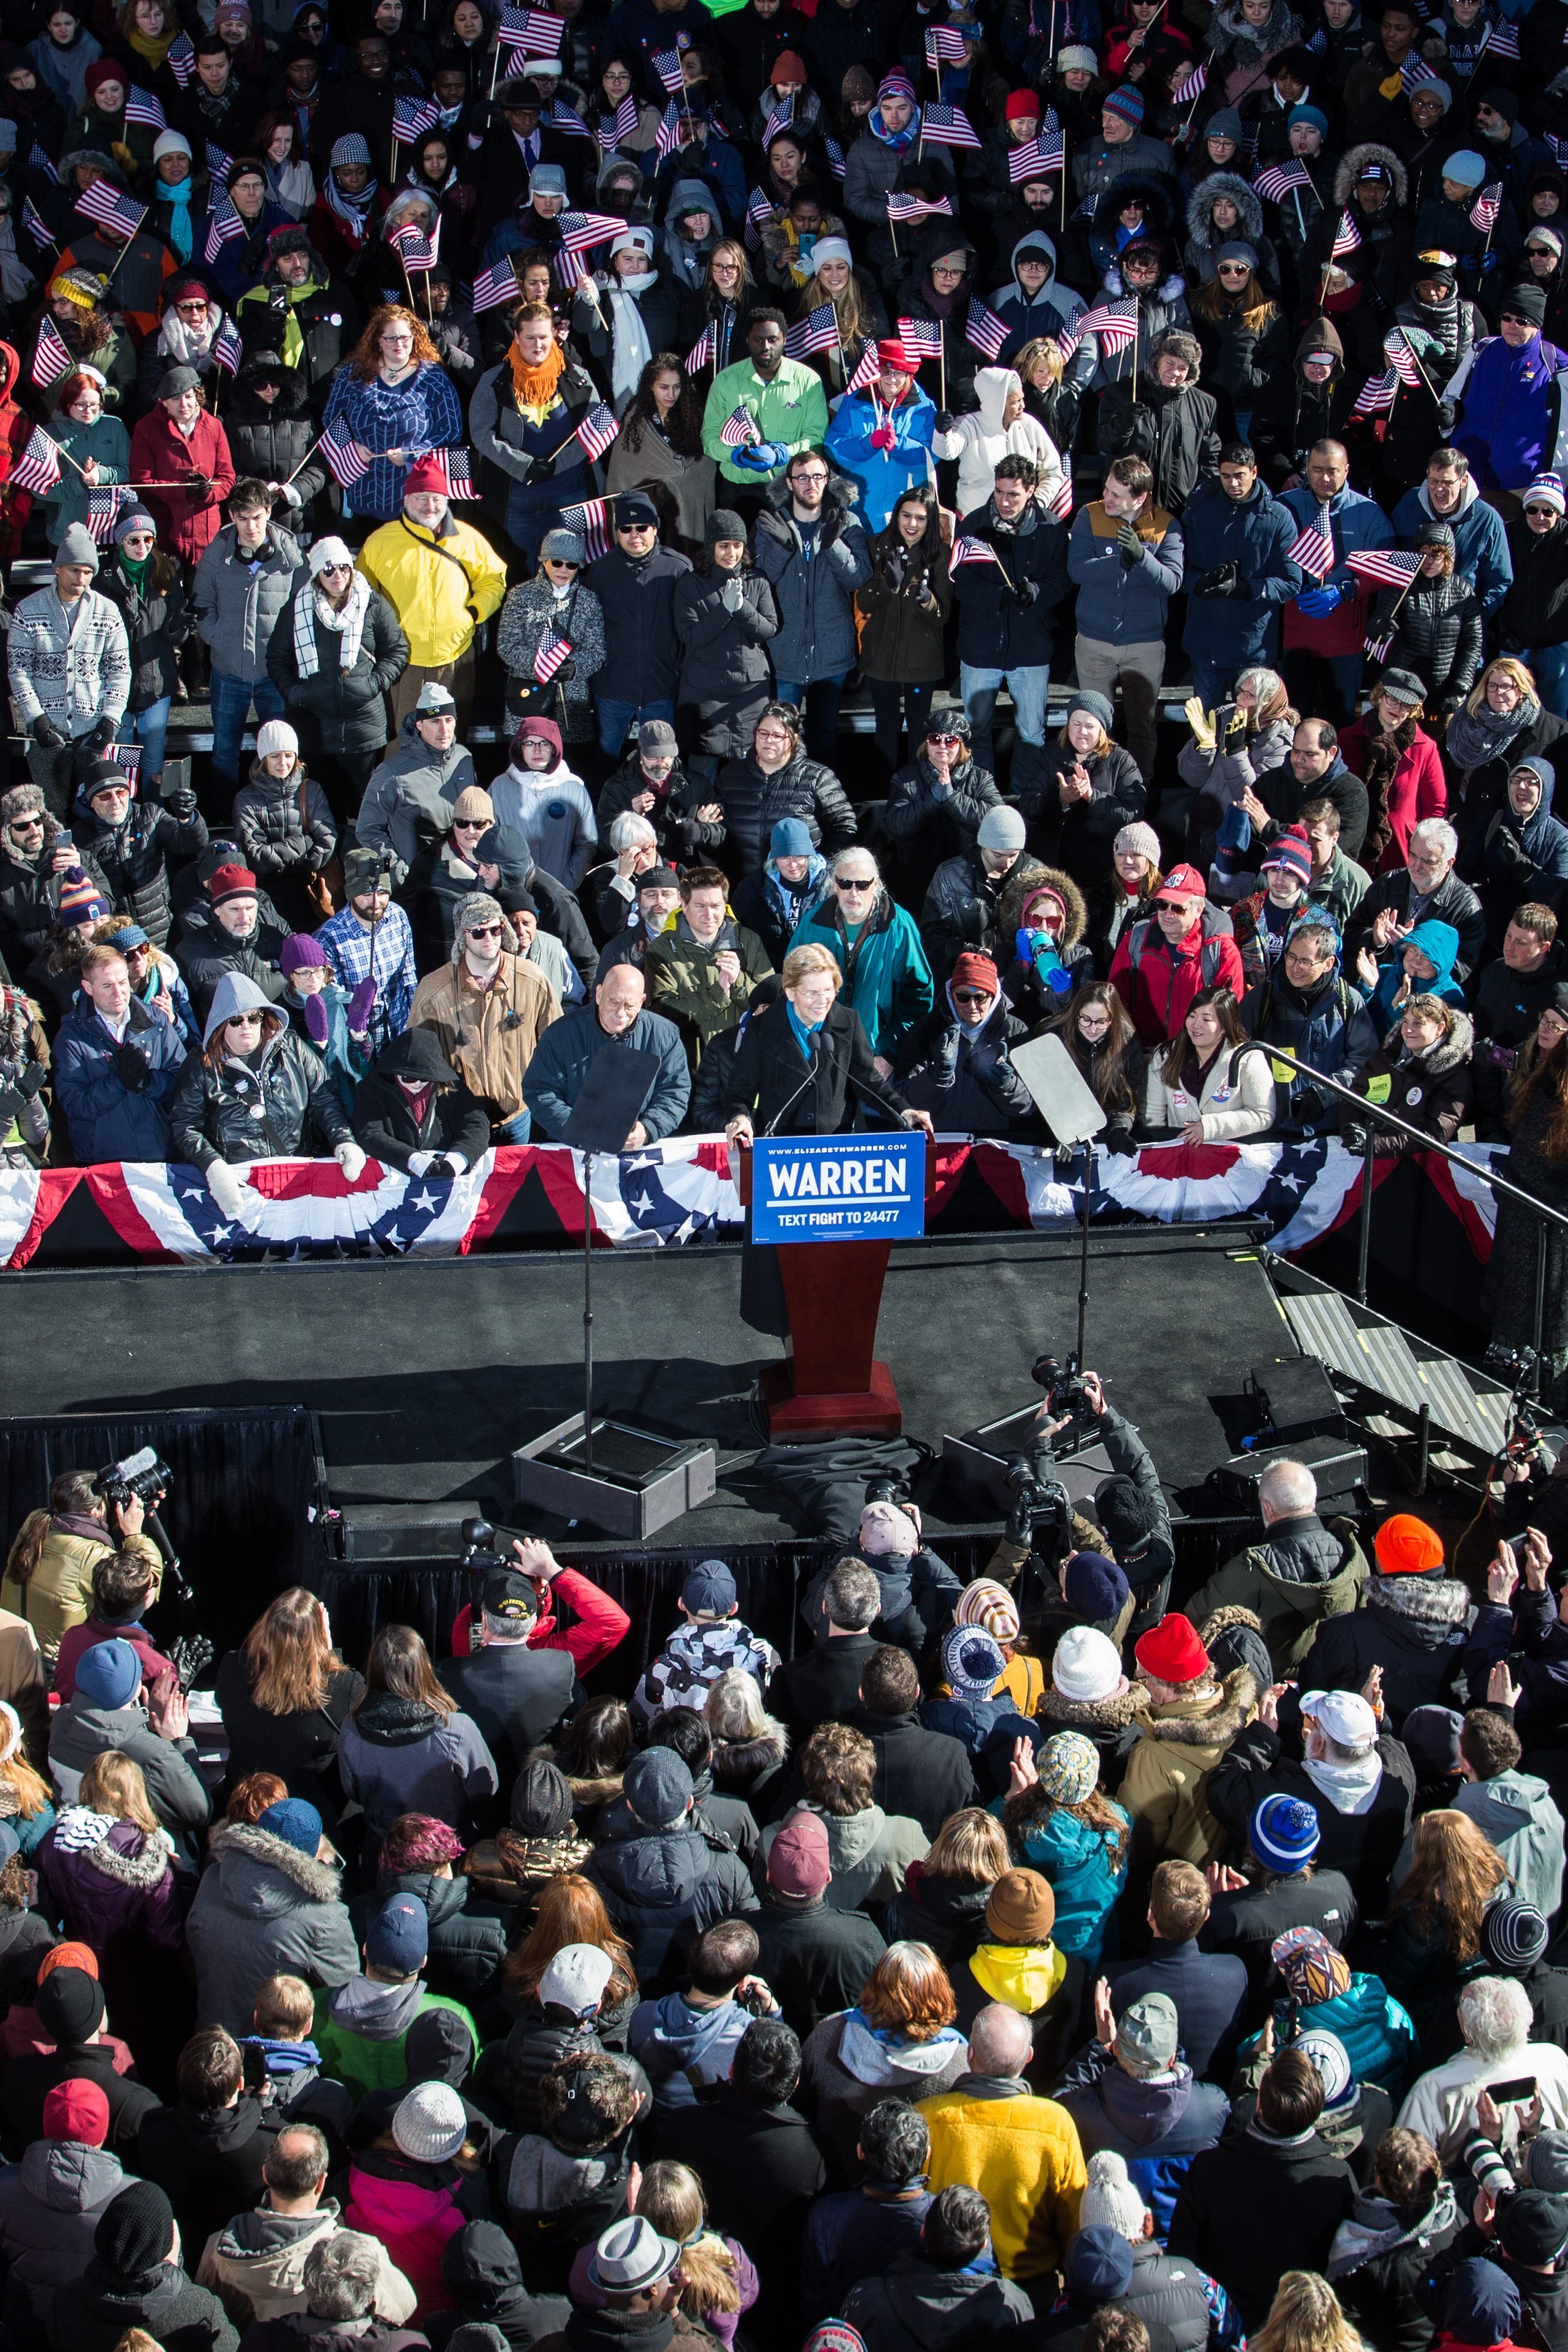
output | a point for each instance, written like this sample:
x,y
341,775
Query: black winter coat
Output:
x,y
925,1776
926,826
328,318
1414,1627
385,1127
904,605
209,1118
208,2164
725,673
30,896
753,804
269,439
1363,1847
1437,634
1080,836
133,856
1240,359
468,1938
638,604
769,1069
673,815
157,622
339,711
1254,2208
1535,610
966,1080
1174,431
1291,413
205,952
90,2313
277,842
996,630
662,1888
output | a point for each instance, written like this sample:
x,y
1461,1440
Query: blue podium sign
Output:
x,y
838,1187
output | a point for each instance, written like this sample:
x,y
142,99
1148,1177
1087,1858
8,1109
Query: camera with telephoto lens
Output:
x,y
1519,1367
888,1487
1041,1515
1066,1396
143,1475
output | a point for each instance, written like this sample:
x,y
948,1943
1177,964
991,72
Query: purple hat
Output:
x,y
299,951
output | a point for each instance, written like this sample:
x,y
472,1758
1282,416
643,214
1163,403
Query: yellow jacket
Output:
x,y
441,588
1024,2156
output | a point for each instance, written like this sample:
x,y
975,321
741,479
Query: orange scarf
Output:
x,y
534,388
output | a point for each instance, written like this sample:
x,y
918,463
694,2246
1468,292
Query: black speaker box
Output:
x,y
1297,1398
1337,1466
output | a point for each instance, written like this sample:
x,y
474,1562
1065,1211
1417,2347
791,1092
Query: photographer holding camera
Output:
x,y
49,1570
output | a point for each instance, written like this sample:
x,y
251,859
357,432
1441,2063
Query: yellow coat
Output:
x,y
1024,2156
440,601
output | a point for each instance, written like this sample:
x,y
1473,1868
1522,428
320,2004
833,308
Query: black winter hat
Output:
x,y
1126,1514
479,2266
69,2005
438,2048
135,2230
723,524
541,1802
1524,303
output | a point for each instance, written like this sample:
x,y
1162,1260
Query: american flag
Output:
x,y
417,251
944,45
110,207
1313,546
921,338
759,216
984,330
971,550
182,60
1061,504
553,652
1192,85
1115,324
908,208
598,429
1501,39
869,369
50,358
223,225
124,755
1415,70
1379,644
1389,567
104,501
33,221
591,521
39,467
1275,183
140,106
534,31
494,287
219,162
347,467
668,138
1403,361
1347,237
703,353
454,466
948,126
571,270
622,124
412,118
580,230
565,120
777,121
836,162
1486,206
1377,395
739,428
816,333
1036,156
39,162
1559,149
666,64
1318,42
227,349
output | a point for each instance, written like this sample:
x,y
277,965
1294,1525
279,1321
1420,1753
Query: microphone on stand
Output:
x,y
809,1079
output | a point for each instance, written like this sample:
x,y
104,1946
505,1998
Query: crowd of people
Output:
x,y
1017,1956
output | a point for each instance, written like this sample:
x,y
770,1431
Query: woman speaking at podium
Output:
x,y
804,1058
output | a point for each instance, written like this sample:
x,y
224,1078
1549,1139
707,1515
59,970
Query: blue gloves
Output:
x,y
771,455
757,457
1488,261
1315,602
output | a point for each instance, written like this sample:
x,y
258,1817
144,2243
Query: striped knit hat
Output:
x,y
1546,490
990,1606
81,900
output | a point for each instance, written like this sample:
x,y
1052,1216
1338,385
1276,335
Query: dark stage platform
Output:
x,y
425,1375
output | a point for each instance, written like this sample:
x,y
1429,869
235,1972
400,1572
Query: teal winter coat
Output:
x,y
1379,2037
1076,1863
887,981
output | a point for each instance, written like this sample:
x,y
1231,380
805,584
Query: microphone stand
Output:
x,y
810,1079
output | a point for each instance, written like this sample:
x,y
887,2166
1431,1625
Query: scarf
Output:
x,y
534,389
632,350
188,346
900,142
1349,1788
352,211
347,620
177,228
151,46
136,573
78,1828
1475,737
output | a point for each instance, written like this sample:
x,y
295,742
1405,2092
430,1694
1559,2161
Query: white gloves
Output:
x,y
351,1159
451,1163
227,1189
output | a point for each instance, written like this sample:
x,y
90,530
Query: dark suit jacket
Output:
x,y
1209,1990
822,1684
768,1069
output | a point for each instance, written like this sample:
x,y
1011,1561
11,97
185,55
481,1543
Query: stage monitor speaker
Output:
x,y
386,1531
1337,1466
638,1484
1297,1398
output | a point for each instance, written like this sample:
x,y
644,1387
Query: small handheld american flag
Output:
x,y
140,106
104,501
1486,206
347,466
219,162
622,124
223,225
534,31
412,118
1415,70
1387,567
33,221
1192,85
553,652
668,138
948,126
566,121
703,353
39,162
1312,549
494,287
984,330
454,465
1377,395
591,521
1403,361
1115,324
110,207
227,349
598,429
944,45
666,64
182,60
739,429
580,230
759,216
418,252
1347,237
1277,182
1060,505
124,755
913,208
50,358
1501,39
816,333
836,162
1034,157
971,550
921,338
869,369
38,467
1379,644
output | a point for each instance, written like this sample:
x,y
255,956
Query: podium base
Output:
x,y
864,1412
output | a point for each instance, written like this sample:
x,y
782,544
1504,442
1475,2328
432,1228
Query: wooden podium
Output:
x,y
831,1382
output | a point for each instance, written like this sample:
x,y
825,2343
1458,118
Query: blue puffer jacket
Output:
x,y
1120,603
1377,2032
1077,1862
1481,554
882,474
1513,420
1158,2127
1254,535
814,582
108,1121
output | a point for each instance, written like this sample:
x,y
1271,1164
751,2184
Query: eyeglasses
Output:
x,y
28,824
944,739
337,567
802,474
1549,512
1233,269
844,882
563,562
482,931
468,824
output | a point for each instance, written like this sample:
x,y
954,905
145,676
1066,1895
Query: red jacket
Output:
x,y
1420,790
602,1624
187,520
83,1637
1157,982
16,432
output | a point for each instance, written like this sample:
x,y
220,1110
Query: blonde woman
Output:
x,y
1305,2317
284,1696
860,316
718,2279
25,1805
749,1745
105,1871
944,1896
773,1075
1048,397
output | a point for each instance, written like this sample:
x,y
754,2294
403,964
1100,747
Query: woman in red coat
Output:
x,y
178,442
16,432
1399,765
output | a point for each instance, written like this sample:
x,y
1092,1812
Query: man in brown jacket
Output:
x,y
488,1007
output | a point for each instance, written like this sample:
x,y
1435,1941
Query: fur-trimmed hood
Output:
x,y
1154,192
1024,880
1370,151
1231,32
1455,1049
1432,1601
1224,184
742,1760
249,1860
1211,1723
1095,1714
130,1864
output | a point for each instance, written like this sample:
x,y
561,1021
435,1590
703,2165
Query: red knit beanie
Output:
x,y
1172,1652
1023,106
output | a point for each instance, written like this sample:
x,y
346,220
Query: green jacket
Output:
x,y
1303,1573
886,978
791,411
373,2059
682,983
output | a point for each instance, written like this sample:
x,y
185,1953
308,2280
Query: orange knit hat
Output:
x,y
1406,1546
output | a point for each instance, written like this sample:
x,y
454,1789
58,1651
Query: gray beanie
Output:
x,y
176,380
1236,249
562,547
1001,828
76,547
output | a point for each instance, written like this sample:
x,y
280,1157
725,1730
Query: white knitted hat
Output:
x,y
431,2123
1087,1665
1110,2198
